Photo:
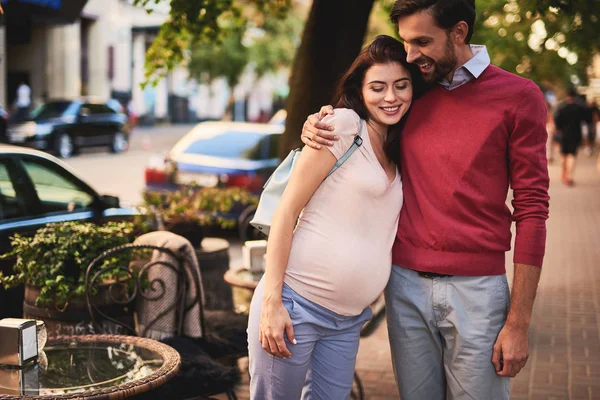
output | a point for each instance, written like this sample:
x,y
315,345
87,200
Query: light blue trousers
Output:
x,y
442,332
327,344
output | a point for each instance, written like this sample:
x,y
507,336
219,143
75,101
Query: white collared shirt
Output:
x,y
471,69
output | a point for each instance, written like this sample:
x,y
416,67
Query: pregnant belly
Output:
x,y
342,281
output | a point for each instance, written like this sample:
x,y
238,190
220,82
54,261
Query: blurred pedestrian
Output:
x,y
568,118
593,128
132,115
23,101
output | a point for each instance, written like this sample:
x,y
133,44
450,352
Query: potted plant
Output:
x,y
186,210
52,264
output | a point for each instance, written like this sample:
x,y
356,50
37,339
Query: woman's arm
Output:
x,y
311,169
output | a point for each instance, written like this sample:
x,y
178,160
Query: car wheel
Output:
x,y
119,143
63,145
247,231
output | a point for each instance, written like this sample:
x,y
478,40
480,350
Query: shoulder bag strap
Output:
x,y
357,142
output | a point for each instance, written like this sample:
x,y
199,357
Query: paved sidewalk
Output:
x,y
564,358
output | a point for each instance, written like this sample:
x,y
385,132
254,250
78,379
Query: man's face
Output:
x,y
428,46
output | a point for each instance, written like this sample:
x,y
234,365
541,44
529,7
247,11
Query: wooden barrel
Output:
x,y
213,258
75,318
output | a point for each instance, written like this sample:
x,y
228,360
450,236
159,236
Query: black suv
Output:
x,y
65,126
36,189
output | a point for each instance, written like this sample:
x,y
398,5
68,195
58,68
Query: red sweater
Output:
x,y
460,150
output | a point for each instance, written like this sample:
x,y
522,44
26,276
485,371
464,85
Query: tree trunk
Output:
x,y
332,38
229,108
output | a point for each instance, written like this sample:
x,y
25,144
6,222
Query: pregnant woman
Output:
x,y
329,249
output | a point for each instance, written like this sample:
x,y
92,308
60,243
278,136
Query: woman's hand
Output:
x,y
274,321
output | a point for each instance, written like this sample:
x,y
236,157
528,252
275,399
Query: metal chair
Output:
x,y
135,262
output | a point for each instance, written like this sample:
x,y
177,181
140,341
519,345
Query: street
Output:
x,y
122,174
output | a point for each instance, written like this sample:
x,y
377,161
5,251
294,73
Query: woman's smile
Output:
x,y
391,110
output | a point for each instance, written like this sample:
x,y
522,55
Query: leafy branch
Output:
x,y
200,23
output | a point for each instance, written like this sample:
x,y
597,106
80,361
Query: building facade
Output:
x,y
96,50
65,49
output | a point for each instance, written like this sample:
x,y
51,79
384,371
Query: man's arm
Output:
x,y
529,181
316,133
512,346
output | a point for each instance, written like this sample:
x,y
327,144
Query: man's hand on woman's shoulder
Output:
x,y
316,133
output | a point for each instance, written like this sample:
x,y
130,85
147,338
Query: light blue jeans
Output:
x,y
442,332
327,344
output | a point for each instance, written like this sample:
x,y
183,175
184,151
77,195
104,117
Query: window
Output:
x,y
56,192
107,109
98,109
10,206
55,109
115,107
245,145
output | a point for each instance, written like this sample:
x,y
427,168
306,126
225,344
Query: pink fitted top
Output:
x,y
341,252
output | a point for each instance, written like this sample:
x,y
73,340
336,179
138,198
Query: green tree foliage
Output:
x,y
267,44
274,45
546,41
379,21
226,57
194,23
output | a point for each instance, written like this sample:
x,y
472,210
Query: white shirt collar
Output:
x,y
479,62
470,70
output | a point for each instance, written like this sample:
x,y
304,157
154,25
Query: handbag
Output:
x,y
277,182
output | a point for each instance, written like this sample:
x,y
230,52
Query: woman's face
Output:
x,y
387,93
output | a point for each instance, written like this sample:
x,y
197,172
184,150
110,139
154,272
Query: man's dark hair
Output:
x,y
446,13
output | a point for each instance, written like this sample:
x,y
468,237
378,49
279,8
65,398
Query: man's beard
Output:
x,y
442,67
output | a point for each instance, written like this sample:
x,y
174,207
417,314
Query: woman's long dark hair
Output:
x,y
382,50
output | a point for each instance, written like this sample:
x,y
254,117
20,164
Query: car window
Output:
x,y
56,192
232,144
9,203
115,106
54,110
97,109
107,110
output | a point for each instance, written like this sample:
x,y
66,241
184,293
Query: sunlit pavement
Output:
x,y
564,360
